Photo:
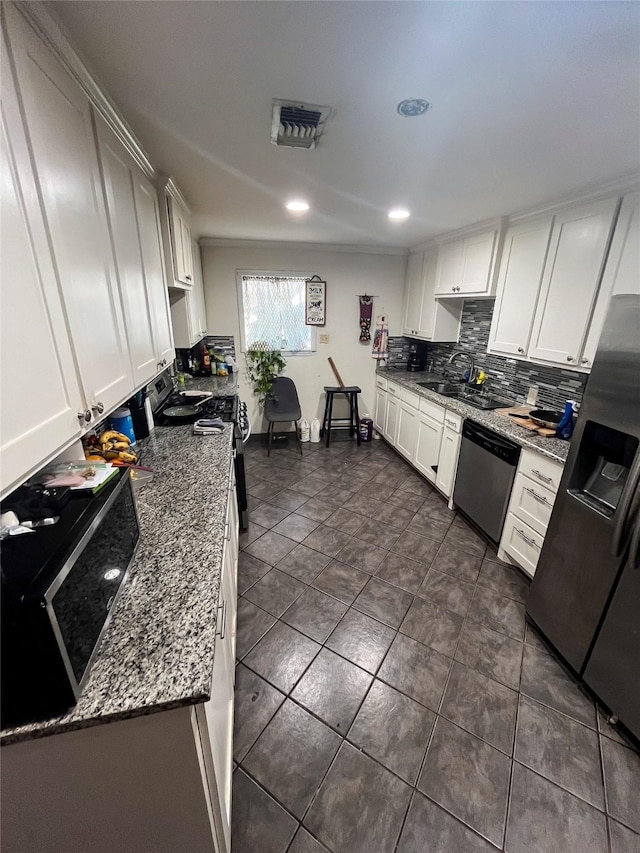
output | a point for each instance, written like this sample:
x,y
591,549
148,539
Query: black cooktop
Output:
x,y
225,408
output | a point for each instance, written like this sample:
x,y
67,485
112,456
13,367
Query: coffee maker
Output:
x,y
417,356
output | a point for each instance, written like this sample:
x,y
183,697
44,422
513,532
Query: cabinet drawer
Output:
x,y
543,471
522,543
381,383
452,421
393,389
432,409
531,504
409,397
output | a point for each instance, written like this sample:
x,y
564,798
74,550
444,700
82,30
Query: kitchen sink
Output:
x,y
477,400
441,387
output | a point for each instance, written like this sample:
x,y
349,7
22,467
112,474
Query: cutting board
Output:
x,y
524,421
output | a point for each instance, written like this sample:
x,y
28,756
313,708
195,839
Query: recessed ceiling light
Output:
x,y
399,213
297,206
412,107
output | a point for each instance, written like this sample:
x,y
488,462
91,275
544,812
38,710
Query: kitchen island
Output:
x,y
155,679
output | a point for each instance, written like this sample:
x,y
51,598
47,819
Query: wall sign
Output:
x,y
315,301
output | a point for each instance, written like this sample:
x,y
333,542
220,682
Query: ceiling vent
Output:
x,y
296,125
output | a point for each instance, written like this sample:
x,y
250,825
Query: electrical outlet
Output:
x,y
324,339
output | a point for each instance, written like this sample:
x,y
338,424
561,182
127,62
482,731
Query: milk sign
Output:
x,y
315,301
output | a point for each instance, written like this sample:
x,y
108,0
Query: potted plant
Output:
x,y
263,365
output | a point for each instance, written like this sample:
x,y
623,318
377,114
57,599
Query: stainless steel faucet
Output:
x,y
472,361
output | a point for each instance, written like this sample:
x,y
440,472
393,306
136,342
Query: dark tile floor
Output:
x,y
390,695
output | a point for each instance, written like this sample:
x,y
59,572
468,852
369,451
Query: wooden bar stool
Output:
x,y
351,393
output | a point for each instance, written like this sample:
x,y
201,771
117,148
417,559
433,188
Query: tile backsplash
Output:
x,y
507,376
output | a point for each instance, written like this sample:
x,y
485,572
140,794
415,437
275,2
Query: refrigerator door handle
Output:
x,y
617,542
634,547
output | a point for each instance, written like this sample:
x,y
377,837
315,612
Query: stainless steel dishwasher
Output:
x,y
486,468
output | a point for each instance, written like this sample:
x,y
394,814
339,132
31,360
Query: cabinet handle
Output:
x,y
223,620
541,476
452,424
98,408
187,277
526,538
85,416
584,361
570,358
520,349
538,497
227,531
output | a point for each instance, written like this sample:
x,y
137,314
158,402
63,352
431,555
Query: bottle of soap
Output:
x,y
565,427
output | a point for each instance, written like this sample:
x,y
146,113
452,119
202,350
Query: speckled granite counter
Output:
x,y
157,652
555,448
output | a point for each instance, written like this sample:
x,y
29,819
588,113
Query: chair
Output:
x,y
329,422
282,405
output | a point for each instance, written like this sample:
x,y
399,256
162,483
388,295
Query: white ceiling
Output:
x,y
531,101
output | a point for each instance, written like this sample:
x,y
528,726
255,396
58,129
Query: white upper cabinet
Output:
x,y
466,266
40,398
59,127
132,205
148,209
426,317
176,233
577,252
188,310
622,272
519,279
413,294
118,172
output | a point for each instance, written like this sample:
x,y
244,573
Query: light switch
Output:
x,y
324,339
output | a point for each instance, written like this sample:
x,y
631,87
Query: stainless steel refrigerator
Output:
x,y
585,595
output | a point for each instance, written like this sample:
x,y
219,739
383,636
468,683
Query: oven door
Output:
x,y
80,600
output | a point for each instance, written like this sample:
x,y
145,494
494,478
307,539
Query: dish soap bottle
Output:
x,y
565,427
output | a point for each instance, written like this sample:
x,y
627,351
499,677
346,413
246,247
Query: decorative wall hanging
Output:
x,y
315,296
381,337
366,310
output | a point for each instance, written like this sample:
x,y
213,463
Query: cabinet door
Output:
x,y
380,414
59,127
407,435
428,443
199,311
391,418
439,318
413,294
448,461
519,280
449,267
622,272
119,176
181,243
153,266
477,263
577,251
34,425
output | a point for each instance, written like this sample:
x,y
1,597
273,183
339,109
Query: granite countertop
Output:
x,y
554,448
157,652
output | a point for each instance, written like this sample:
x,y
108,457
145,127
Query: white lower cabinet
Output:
x,y
449,452
392,412
407,436
430,428
532,498
380,409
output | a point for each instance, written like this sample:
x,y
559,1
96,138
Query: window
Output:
x,y
272,312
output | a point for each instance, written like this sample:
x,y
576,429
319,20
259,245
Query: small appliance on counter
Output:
x,y
417,357
59,587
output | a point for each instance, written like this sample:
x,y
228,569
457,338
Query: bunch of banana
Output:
x,y
114,447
